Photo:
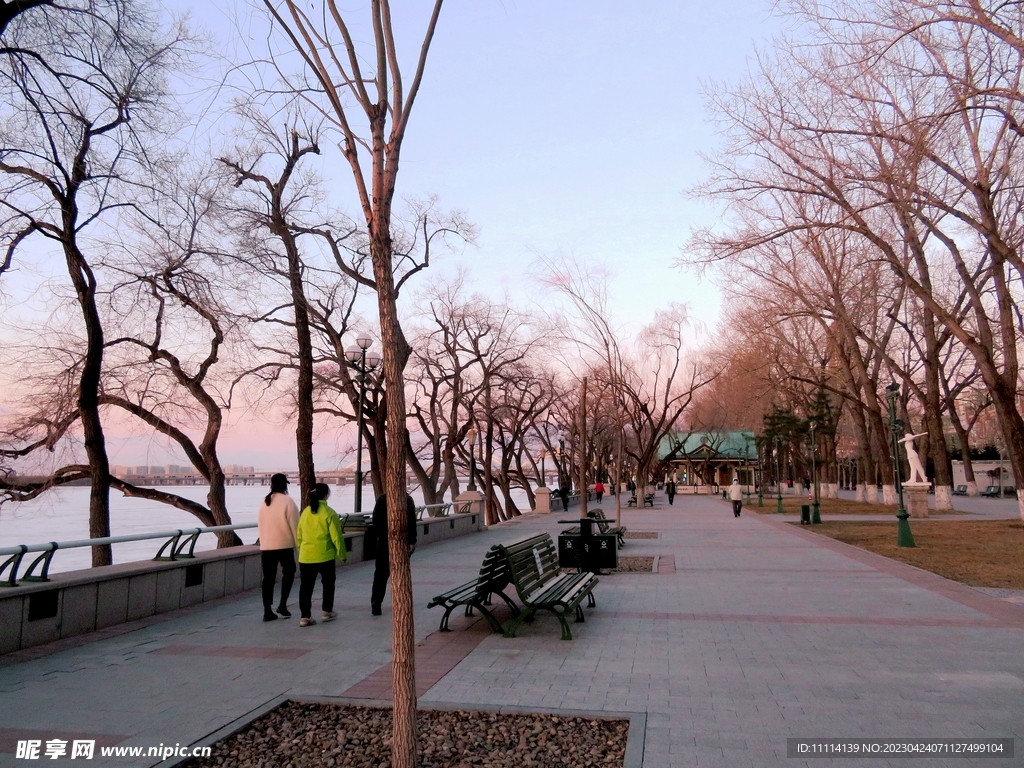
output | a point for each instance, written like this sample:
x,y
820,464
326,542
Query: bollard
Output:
x,y
805,514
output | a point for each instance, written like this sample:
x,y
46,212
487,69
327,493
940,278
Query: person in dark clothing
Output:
x,y
563,494
382,571
670,490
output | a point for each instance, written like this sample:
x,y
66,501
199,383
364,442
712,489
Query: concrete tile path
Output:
x,y
761,631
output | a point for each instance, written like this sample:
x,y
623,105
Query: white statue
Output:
x,y
916,469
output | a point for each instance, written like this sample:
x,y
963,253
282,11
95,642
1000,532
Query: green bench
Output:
x,y
493,578
541,585
648,500
605,525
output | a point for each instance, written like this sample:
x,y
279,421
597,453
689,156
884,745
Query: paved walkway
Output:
x,y
752,631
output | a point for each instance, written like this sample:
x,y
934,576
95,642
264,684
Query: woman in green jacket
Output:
x,y
320,544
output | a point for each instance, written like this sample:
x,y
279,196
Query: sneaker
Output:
x,y
307,622
328,616
269,616
283,610
375,609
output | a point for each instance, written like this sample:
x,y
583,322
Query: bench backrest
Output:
x,y
531,562
494,573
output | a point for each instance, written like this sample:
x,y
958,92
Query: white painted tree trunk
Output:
x,y
943,497
861,492
972,488
888,494
833,491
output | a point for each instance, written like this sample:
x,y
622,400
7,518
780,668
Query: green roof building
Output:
x,y
702,462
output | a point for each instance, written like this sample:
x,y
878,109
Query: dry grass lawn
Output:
x,y
980,553
791,506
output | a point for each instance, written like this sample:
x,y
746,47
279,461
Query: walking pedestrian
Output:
x,y
736,494
670,491
599,490
277,519
321,545
382,568
563,494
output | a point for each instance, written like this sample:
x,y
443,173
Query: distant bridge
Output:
x,y
334,477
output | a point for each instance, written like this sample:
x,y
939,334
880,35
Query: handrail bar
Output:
x,y
24,548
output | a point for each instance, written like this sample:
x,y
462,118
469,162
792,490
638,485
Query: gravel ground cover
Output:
x,y
640,535
635,564
297,735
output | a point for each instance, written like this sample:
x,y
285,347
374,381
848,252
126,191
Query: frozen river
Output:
x,y
63,515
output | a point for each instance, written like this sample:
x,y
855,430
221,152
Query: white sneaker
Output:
x,y
328,616
307,622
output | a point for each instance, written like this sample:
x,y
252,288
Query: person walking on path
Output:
x,y
277,519
321,544
382,569
599,490
670,491
736,494
563,494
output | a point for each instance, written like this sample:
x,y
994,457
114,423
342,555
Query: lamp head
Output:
x,y
471,437
364,341
353,353
372,360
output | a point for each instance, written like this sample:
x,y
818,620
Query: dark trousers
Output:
x,y
671,496
565,503
307,580
270,559
381,574
736,507
599,495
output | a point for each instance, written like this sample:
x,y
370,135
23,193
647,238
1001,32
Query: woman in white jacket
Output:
x,y
278,520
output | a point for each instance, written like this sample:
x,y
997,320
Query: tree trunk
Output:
x,y
88,393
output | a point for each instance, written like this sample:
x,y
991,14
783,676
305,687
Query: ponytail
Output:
x,y
319,493
278,484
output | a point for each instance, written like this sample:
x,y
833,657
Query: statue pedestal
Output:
x,y
542,500
474,500
915,495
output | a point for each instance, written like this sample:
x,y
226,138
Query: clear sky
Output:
x,y
556,126
564,126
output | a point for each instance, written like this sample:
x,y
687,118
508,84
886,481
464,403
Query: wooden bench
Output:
x,y
604,525
541,585
648,500
493,578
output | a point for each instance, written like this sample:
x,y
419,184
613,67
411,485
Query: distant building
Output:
x,y
707,460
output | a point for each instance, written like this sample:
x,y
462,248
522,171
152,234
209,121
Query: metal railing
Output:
x,y
175,549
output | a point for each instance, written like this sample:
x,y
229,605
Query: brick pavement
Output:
x,y
751,631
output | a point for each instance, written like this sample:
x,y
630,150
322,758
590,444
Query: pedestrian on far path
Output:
x,y
382,569
670,491
563,494
277,520
599,490
736,494
321,545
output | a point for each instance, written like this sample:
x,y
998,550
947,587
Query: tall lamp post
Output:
x,y
543,453
363,362
471,440
904,538
760,475
816,514
778,476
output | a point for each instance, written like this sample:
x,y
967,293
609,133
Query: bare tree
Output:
x,y
336,83
80,95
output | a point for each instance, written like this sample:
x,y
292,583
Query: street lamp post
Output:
x,y
363,362
904,538
816,515
760,475
471,439
543,453
778,476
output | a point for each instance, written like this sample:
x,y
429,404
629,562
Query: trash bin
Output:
x,y
805,514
